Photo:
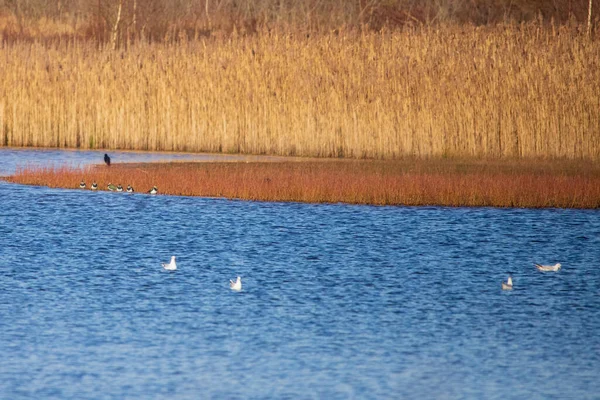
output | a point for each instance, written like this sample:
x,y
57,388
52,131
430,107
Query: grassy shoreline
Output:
x,y
443,182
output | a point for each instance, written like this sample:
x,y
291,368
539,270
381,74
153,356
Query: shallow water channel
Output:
x,y
338,301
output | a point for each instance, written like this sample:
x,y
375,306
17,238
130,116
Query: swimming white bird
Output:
x,y
172,266
237,285
508,284
548,268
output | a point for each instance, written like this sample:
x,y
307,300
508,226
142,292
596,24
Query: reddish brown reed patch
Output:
x,y
404,182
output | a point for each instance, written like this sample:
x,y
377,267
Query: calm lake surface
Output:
x,y
338,301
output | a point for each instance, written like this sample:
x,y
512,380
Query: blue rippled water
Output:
x,y
338,301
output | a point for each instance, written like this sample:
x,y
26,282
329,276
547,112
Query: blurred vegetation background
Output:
x,y
123,21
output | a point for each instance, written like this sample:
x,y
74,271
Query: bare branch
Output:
x,y
116,27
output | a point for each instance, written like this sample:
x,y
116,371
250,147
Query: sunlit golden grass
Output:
x,y
504,91
399,182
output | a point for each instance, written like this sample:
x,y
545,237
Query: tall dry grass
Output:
x,y
440,182
503,91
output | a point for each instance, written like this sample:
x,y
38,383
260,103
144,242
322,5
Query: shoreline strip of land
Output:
x,y
410,182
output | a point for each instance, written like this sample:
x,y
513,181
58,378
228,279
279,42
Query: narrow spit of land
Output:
x,y
443,182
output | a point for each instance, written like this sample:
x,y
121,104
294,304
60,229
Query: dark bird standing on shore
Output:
x,y
107,159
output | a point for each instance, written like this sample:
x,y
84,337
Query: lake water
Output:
x,y
11,158
338,301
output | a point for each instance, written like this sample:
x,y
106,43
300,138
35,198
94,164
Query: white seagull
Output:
x,y
508,284
237,285
170,266
548,268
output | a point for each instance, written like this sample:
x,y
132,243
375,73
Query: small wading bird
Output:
x,y
154,190
172,266
111,187
508,284
129,189
107,159
237,285
82,185
548,268
94,186
119,188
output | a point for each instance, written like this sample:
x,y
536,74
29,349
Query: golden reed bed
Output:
x,y
398,182
528,90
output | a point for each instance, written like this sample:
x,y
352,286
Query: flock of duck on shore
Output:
x,y
117,188
111,187
508,285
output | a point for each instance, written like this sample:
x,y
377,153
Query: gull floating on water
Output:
x,y
82,185
172,266
237,285
508,284
548,268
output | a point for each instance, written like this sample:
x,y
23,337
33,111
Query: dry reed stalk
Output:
x,y
446,183
507,91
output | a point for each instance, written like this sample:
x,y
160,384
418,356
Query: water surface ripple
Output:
x,y
338,301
